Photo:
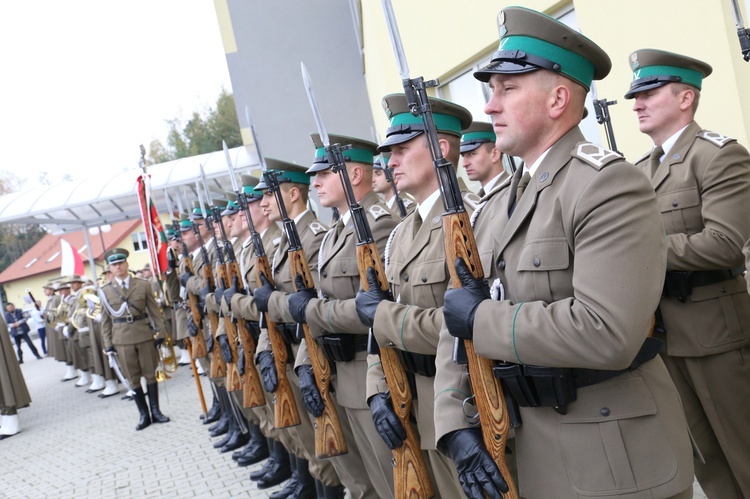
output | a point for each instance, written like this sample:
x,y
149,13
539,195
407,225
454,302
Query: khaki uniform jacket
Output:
x,y
195,283
580,262
141,301
172,287
339,282
703,189
311,233
418,275
244,305
13,391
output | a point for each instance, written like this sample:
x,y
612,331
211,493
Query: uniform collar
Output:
x,y
671,141
426,207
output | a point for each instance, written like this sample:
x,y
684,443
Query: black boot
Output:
x,y
305,482
333,492
291,484
257,450
255,437
214,412
238,439
222,425
232,430
140,401
280,471
153,401
260,473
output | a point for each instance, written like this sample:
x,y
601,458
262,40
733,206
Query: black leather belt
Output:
x,y
130,319
342,347
289,331
680,283
588,377
418,363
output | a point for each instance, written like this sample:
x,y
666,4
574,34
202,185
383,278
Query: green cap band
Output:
x,y
116,257
689,76
443,122
477,136
353,154
294,177
250,190
197,212
571,64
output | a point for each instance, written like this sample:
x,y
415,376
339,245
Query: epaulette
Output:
x,y
407,202
317,228
471,200
642,158
378,211
715,138
595,155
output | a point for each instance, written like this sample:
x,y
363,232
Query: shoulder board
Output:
x,y
407,201
378,211
595,155
277,241
317,227
715,138
471,200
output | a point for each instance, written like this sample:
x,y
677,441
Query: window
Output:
x,y
32,262
83,248
139,241
53,257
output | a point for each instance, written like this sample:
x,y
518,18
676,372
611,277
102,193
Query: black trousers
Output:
x,y
24,336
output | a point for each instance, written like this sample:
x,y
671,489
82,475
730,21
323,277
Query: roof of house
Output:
x,y
44,256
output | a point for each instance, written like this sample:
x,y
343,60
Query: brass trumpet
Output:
x,y
167,361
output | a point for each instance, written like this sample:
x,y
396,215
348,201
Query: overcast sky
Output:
x,y
84,82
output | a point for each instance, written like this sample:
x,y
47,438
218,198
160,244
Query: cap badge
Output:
x,y
501,29
634,60
387,110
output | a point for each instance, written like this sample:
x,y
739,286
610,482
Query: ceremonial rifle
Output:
x,y
285,407
410,475
329,437
233,376
601,109
742,32
459,243
252,390
218,366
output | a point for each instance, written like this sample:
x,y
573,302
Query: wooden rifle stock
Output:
x,y
329,437
285,407
252,390
200,349
410,475
218,366
488,394
234,383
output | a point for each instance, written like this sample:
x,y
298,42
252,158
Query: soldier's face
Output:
x,y
120,269
379,183
413,170
329,188
518,107
270,208
257,214
659,111
479,163
190,239
238,224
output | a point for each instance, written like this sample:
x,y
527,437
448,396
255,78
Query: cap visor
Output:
x,y
503,67
642,88
470,146
397,138
317,167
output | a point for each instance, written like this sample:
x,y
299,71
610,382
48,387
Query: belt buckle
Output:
x,y
129,319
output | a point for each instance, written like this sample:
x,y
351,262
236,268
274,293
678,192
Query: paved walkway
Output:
x,y
76,445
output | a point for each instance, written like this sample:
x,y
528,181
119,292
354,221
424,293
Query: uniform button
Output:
x,y
424,278
537,262
675,203
406,277
605,411
343,271
501,264
324,274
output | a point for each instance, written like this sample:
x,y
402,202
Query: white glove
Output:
x,y
66,332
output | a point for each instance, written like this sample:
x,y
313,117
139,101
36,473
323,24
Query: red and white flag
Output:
x,y
71,260
155,236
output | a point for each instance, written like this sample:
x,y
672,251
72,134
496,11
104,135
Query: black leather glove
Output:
x,y
219,292
185,277
263,293
172,261
110,349
230,292
268,376
461,304
210,343
310,393
477,472
226,349
202,297
241,360
158,342
192,326
367,302
386,422
299,299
